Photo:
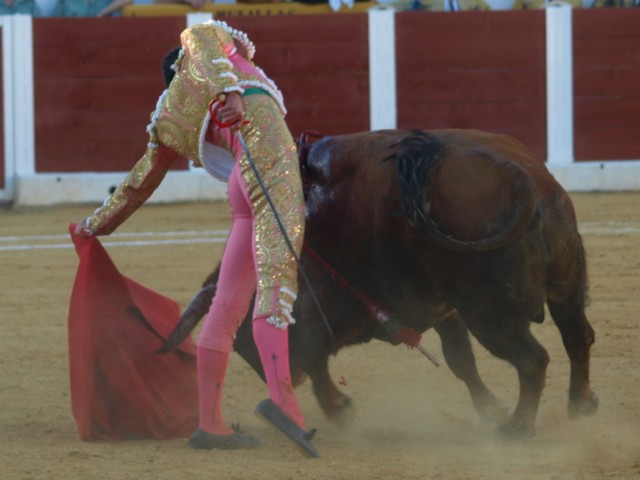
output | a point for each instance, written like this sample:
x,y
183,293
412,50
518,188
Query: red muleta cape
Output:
x,y
120,388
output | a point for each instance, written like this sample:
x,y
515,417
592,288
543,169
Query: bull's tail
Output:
x,y
418,158
194,312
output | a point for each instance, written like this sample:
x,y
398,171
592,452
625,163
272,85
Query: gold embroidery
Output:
x,y
274,152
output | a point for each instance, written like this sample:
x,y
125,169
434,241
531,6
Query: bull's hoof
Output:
x,y
516,430
341,412
583,407
491,410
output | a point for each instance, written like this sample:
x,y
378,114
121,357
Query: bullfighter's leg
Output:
x,y
511,340
577,337
246,348
235,287
460,359
337,406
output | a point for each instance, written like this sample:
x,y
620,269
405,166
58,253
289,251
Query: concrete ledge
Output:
x,y
51,188
599,176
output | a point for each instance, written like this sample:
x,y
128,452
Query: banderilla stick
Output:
x,y
424,351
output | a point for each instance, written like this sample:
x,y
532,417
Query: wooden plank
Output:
x,y
607,144
508,25
112,93
305,47
605,22
100,159
320,63
93,33
612,81
98,90
482,70
88,47
525,121
110,61
606,78
352,89
599,50
307,61
469,85
467,53
97,81
103,143
491,116
606,113
328,119
306,30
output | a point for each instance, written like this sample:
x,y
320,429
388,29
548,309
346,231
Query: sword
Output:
x,y
252,163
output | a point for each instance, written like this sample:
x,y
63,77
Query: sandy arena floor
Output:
x,y
414,421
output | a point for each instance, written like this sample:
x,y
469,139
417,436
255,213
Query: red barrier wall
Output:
x,y
2,179
97,80
606,47
483,70
321,64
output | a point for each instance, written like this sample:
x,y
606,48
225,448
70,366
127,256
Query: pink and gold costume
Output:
x,y
256,254
209,66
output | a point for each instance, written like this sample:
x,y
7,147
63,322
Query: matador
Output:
x,y
212,82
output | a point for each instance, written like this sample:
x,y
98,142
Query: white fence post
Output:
x,y
198,17
6,24
559,84
17,66
23,106
382,69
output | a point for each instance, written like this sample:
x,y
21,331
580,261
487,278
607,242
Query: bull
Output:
x,y
456,230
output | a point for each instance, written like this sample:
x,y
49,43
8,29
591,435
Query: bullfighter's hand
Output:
x,y
232,111
83,229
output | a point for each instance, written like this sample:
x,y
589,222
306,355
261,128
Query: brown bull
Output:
x,y
457,230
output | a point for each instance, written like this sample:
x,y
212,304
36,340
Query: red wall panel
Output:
x,y
606,48
2,159
321,64
96,82
483,70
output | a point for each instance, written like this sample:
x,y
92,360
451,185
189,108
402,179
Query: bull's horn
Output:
x,y
194,312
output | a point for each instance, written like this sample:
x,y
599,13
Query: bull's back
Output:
x,y
479,184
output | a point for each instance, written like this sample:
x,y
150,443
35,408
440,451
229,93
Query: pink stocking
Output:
x,y
273,345
212,366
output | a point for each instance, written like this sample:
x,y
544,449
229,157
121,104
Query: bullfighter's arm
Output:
x,y
137,187
207,48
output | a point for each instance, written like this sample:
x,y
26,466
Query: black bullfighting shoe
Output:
x,y
233,441
275,417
